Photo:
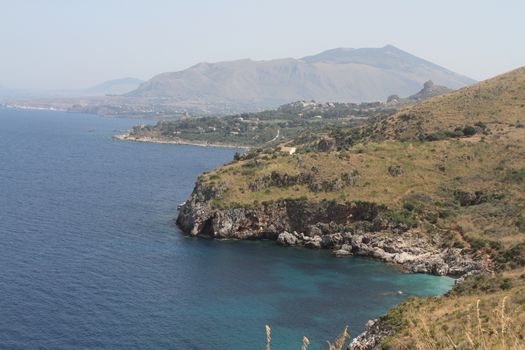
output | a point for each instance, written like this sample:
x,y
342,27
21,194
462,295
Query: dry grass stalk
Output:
x,y
306,342
268,336
339,342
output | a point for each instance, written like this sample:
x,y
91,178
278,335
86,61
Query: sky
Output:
x,y
67,44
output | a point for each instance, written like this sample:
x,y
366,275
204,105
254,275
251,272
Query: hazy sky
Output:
x,y
54,44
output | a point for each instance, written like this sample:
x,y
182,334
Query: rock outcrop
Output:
x,y
355,228
198,216
372,336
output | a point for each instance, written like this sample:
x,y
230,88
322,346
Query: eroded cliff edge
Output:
x,y
350,228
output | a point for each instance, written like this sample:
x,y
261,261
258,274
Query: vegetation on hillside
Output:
x,y
265,128
483,312
452,168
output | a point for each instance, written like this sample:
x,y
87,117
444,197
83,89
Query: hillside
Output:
x,y
435,188
345,75
273,127
259,129
498,102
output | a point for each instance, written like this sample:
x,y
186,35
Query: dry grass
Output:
x,y
490,321
498,102
474,321
434,169
339,343
492,164
268,332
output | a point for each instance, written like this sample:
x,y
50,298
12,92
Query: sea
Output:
x,y
90,257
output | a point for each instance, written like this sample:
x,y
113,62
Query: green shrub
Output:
x,y
520,223
402,217
506,284
410,206
444,213
469,130
217,203
516,175
481,125
478,244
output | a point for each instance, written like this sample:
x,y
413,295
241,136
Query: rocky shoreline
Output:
x,y
128,137
345,228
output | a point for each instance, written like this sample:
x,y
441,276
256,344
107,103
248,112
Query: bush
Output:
x,y
469,130
516,175
217,203
520,223
409,206
515,255
481,125
506,284
444,213
481,283
402,218
478,244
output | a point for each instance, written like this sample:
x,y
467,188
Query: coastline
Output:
x,y
127,137
412,254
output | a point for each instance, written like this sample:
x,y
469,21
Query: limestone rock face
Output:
x,y
287,238
325,225
372,336
197,216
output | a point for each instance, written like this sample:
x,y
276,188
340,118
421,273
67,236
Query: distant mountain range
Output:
x,y
113,87
340,75
345,75
110,87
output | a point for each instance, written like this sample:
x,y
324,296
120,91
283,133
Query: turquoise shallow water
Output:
x,y
91,259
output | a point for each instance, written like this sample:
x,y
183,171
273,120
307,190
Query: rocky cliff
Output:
x,y
351,228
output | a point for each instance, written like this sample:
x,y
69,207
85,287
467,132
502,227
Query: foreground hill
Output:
x,y
436,188
345,75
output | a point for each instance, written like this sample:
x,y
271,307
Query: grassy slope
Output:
x,y
499,102
486,313
492,164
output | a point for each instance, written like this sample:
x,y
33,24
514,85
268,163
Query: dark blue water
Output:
x,y
90,259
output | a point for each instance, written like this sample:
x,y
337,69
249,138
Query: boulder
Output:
x,y
287,239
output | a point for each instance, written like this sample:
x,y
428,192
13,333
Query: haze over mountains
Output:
x,y
342,75
346,75
114,87
109,87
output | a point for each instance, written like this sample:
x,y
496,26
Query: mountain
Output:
x,y
345,75
113,87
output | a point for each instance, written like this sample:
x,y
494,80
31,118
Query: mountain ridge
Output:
x,y
346,75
